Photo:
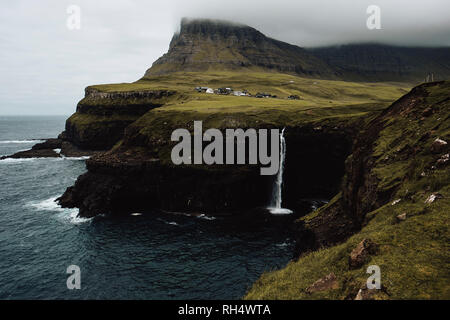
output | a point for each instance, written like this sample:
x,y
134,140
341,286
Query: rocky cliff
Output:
x,y
392,212
202,45
102,116
138,175
385,168
378,62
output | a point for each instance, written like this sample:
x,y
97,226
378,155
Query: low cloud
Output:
x,y
45,66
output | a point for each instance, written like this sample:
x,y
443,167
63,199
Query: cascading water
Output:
x,y
275,205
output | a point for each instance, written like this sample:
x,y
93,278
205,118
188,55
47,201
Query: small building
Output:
x,y
201,89
224,90
209,90
264,95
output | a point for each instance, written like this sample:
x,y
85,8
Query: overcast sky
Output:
x,y
45,67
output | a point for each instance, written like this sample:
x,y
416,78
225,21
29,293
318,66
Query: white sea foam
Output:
x,y
20,141
279,211
284,244
75,158
13,160
204,216
63,214
172,223
20,160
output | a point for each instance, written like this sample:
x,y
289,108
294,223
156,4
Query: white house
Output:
x,y
209,90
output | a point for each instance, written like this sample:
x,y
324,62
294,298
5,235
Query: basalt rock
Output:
x,y
52,148
360,191
439,146
328,282
361,253
101,117
40,153
132,178
115,185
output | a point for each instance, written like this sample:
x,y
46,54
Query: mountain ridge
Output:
x,y
203,44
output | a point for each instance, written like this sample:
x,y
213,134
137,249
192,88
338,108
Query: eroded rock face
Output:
x,y
203,43
401,217
52,148
41,153
379,62
132,178
438,146
44,149
360,187
329,282
102,117
359,255
119,186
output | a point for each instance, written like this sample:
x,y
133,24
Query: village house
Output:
x,y
264,95
223,91
201,89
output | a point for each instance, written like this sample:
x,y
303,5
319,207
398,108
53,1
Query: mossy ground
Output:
x,y
282,85
414,255
322,101
319,98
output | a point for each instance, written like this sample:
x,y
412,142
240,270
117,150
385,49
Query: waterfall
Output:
x,y
275,205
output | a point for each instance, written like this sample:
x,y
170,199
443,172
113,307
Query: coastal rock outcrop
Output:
x,y
102,116
362,190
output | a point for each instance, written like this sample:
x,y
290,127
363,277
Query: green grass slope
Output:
x,y
413,254
123,104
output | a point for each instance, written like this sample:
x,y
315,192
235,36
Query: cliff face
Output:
x,y
137,176
203,45
101,117
386,156
206,44
377,62
392,211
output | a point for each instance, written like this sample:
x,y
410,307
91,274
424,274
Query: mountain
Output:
x,y
377,62
203,45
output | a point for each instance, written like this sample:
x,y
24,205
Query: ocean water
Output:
x,y
153,256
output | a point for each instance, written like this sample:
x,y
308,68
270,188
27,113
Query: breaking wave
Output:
x,y
20,141
63,214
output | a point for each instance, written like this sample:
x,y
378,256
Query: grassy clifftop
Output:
x,y
401,204
167,98
321,102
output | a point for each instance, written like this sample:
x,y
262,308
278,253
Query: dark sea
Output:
x,y
156,256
